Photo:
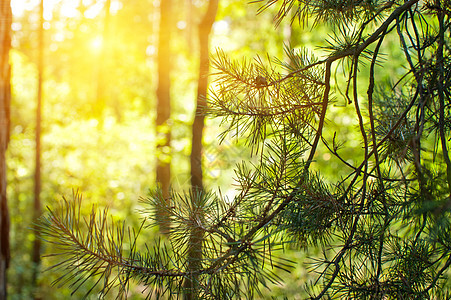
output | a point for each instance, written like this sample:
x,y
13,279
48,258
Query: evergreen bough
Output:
x,y
383,230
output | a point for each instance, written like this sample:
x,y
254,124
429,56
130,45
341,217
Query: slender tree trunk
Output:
x,y
36,255
5,100
194,254
163,125
198,124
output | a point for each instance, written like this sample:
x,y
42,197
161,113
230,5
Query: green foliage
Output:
x,y
258,109
381,231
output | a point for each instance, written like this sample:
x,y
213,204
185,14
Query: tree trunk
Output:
x,y
194,254
36,255
5,100
198,124
163,125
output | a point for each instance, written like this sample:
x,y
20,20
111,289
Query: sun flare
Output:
x,y
96,44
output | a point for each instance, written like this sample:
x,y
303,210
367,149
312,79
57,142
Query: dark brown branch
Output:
x,y
441,95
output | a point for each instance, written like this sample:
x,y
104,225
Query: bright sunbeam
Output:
x,y
96,44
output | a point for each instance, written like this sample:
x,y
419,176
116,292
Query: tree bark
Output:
x,y
5,100
36,255
194,254
163,126
198,124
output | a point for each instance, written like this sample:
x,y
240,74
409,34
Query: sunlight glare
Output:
x,y
19,6
221,27
181,25
69,9
96,44
151,50
115,7
94,10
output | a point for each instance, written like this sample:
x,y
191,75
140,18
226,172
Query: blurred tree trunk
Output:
x,y
163,125
36,255
197,234
198,124
5,100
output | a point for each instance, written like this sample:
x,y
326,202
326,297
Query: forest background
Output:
x,y
99,84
